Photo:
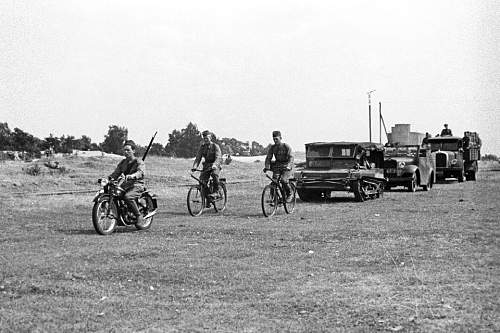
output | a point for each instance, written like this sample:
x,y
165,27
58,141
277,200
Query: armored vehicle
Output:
x,y
356,167
455,156
409,166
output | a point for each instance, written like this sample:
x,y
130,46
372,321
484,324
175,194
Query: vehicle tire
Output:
x,y
290,205
359,195
103,222
429,184
221,199
461,177
473,175
309,195
145,207
195,201
269,200
412,184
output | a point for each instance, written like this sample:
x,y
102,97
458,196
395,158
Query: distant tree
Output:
x,y
84,143
5,137
489,157
257,149
157,149
68,143
51,142
113,141
184,143
23,141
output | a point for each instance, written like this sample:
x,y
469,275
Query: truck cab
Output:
x,y
456,157
355,167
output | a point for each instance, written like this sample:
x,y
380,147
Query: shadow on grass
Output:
x,y
93,232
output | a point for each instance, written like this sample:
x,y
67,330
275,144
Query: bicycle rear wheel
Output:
x,y
269,200
221,199
290,204
195,201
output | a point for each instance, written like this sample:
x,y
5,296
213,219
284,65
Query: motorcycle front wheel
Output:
x,y
103,217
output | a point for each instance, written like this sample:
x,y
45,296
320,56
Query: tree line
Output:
x,y
181,143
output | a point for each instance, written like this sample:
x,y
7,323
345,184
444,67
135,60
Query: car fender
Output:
x,y
409,170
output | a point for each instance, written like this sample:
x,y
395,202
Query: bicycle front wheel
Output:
x,y
221,198
269,200
195,201
290,204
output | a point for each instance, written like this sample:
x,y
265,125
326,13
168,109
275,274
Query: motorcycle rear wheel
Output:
x,y
145,207
103,217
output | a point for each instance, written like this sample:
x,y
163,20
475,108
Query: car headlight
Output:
x,y
402,164
454,161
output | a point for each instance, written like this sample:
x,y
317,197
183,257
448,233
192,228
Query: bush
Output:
x,y
33,170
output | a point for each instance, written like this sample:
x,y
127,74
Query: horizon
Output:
x,y
244,69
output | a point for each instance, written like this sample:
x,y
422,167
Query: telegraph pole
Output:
x,y
370,113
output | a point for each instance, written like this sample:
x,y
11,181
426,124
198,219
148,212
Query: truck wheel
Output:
x,y
428,186
461,177
412,184
359,194
470,176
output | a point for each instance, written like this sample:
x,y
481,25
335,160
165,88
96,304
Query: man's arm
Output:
x,y
218,156
118,171
197,159
139,173
290,156
269,157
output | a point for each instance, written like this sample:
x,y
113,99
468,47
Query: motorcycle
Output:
x,y
110,209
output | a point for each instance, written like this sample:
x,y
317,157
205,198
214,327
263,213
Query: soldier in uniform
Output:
x,y
211,153
133,168
283,164
446,131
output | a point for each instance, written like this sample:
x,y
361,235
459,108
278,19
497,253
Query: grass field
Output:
x,y
424,261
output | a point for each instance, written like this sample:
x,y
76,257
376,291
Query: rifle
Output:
x,y
149,147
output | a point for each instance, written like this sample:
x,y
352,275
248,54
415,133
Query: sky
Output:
x,y
245,68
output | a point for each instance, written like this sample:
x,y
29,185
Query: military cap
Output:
x,y
129,143
206,132
276,133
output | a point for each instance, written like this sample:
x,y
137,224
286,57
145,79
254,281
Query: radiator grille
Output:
x,y
441,160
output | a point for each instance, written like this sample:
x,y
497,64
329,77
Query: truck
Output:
x,y
456,157
353,167
409,166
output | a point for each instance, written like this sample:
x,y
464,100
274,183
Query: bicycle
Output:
x,y
199,198
274,195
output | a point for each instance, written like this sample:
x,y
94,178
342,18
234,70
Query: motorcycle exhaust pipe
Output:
x,y
151,214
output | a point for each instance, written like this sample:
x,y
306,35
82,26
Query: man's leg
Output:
x,y
130,196
285,177
215,177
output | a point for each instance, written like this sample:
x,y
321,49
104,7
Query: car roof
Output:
x,y
444,138
366,145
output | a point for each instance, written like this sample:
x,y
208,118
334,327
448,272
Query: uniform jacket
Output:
x,y
282,153
211,153
134,168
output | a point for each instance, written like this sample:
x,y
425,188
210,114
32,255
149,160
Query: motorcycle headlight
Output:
x,y
454,161
103,182
402,164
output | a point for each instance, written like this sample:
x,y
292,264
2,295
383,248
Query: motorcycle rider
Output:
x,y
133,168
283,164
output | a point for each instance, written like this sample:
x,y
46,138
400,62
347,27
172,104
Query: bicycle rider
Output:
x,y
283,163
211,153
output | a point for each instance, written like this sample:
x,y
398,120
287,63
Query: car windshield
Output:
x,y
445,145
318,151
401,151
